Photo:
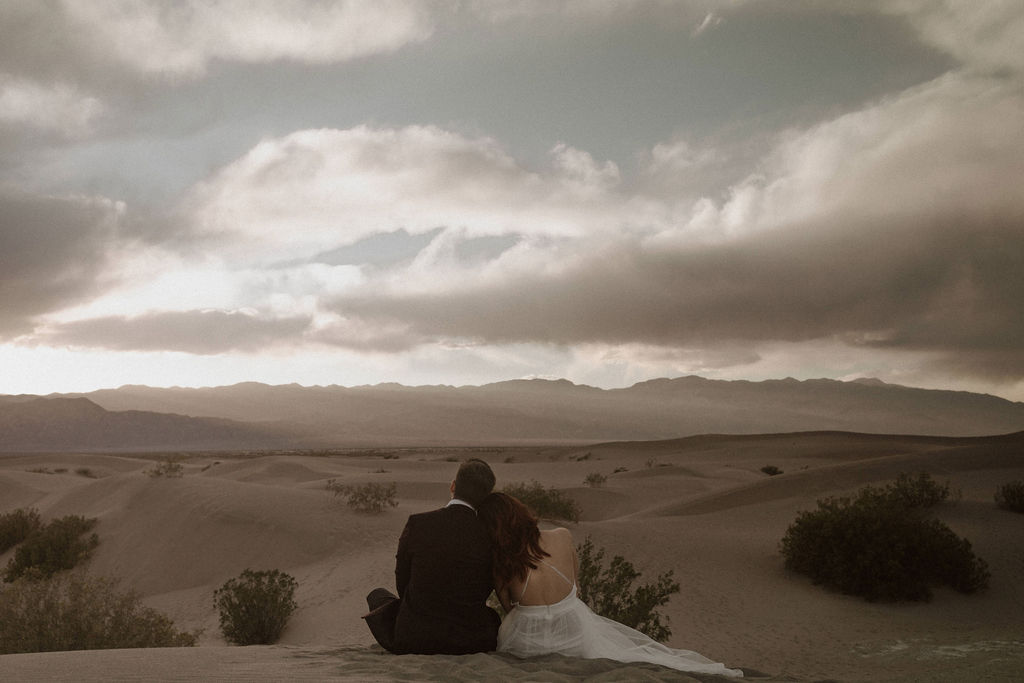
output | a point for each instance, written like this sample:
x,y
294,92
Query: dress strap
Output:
x,y
553,567
525,584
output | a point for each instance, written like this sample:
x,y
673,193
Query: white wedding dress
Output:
x,y
569,627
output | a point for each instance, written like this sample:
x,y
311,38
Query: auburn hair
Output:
x,y
514,534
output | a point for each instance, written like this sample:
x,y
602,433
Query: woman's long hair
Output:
x,y
514,534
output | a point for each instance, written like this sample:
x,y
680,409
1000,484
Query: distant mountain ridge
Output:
x,y
254,415
78,424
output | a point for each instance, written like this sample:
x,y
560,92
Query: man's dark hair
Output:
x,y
474,481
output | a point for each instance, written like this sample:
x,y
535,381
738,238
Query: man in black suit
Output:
x,y
443,574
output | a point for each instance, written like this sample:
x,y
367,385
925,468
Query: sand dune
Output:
x,y
700,507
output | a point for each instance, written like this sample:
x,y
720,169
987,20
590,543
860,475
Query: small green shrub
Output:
x,y
878,545
771,470
608,590
16,526
595,479
546,503
1010,496
366,498
78,612
168,469
255,606
918,491
58,545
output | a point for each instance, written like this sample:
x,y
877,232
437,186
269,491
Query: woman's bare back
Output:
x,y
544,585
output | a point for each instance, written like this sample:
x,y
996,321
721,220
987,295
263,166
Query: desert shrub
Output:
x,y
919,491
16,526
594,479
878,545
255,606
86,472
1010,496
546,503
58,545
620,469
608,590
495,604
771,470
367,498
168,468
78,612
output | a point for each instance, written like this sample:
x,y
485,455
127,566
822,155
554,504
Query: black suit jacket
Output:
x,y
443,573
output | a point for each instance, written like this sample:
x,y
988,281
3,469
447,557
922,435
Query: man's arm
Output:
x,y
403,559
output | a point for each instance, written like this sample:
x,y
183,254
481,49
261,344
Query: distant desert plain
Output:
x,y
699,506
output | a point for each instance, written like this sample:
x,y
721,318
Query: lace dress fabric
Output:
x,y
569,627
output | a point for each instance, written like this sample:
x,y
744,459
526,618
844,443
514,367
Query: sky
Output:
x,y
200,193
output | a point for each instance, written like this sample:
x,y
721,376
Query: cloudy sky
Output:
x,y
206,192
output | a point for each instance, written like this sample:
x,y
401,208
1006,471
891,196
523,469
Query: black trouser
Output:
x,y
383,606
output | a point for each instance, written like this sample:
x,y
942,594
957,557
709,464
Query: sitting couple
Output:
x,y
448,562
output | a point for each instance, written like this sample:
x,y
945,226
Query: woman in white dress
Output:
x,y
535,581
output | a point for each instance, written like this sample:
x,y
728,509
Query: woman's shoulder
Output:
x,y
559,535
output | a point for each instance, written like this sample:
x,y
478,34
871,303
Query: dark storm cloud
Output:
x,y
197,332
935,286
52,254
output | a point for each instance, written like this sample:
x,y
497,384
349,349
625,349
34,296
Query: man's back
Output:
x,y
444,576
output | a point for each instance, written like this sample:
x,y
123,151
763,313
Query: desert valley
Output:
x,y
700,506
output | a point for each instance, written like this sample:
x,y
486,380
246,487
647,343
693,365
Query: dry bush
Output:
x,y
365,498
255,606
169,469
608,590
16,526
58,545
1010,496
880,546
546,503
78,612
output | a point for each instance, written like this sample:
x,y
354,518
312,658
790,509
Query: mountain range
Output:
x,y
259,416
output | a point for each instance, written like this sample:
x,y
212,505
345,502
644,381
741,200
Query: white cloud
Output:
x,y
582,174
709,21
983,35
950,147
315,190
678,156
182,38
60,108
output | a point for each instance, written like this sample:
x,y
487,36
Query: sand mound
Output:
x,y
281,663
700,507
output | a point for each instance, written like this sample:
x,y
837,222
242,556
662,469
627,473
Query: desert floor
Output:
x,y
700,507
